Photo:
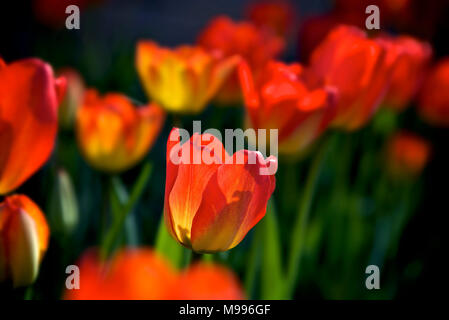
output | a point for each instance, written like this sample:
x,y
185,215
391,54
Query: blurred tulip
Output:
x,y
73,97
29,98
434,95
211,206
113,134
184,79
63,208
132,274
142,274
24,237
256,46
359,68
278,15
407,154
281,99
205,281
408,72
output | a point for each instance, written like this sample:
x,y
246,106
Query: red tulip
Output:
x,y
142,274
434,96
408,72
282,99
256,46
211,205
29,98
359,68
407,154
132,274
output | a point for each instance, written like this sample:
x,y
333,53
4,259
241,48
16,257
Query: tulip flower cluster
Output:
x,y
220,210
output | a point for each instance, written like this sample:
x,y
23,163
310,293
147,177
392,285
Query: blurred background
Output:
x,y
103,52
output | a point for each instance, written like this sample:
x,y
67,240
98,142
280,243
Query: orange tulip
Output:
x,y
408,72
29,98
407,154
359,68
132,274
73,97
281,99
257,46
184,79
24,237
211,205
142,274
114,135
206,281
434,96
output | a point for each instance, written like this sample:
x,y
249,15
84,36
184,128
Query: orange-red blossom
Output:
x,y
359,68
434,97
255,45
142,274
280,98
212,203
407,154
29,99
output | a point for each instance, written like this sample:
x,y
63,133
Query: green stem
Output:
x,y
299,228
119,220
253,264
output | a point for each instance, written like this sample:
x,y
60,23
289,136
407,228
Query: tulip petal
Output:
x,y
191,181
28,116
237,197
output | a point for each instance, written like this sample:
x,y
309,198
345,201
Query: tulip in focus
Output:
x,y
360,68
184,79
434,96
113,134
210,205
281,99
29,99
408,72
24,235
407,154
73,97
257,46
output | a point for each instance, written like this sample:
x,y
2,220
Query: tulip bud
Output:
x,y
63,210
73,97
24,237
